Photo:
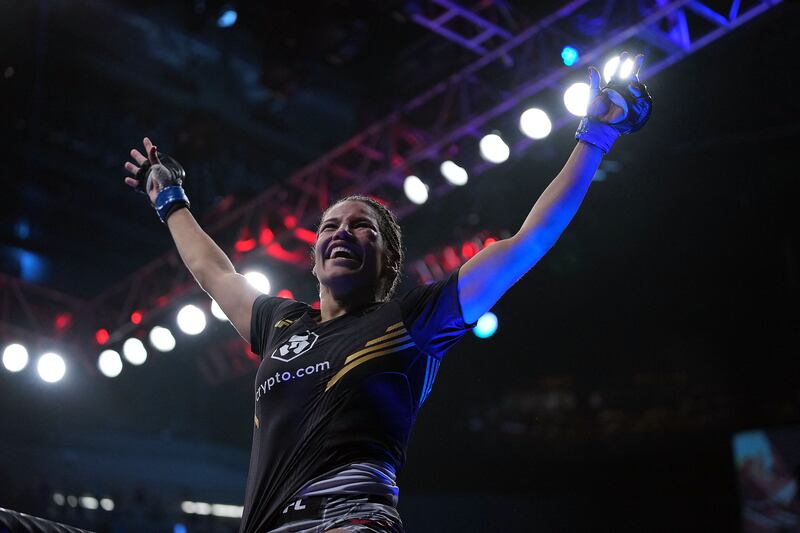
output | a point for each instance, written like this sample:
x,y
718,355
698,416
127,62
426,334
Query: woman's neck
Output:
x,y
331,307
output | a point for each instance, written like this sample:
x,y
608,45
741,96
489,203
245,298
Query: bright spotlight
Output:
x,y
227,17
259,281
626,69
487,325
107,504
162,339
576,98
535,123
569,55
51,367
191,320
453,173
493,149
610,68
415,190
134,351
110,363
217,311
15,357
89,502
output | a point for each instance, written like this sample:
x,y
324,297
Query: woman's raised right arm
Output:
x,y
208,264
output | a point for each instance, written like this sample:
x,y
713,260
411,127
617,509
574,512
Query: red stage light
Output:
x,y
488,241
305,235
315,305
161,301
136,317
265,236
101,336
285,293
245,245
63,320
450,259
279,252
290,221
468,250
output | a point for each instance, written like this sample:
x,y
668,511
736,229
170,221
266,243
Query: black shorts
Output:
x,y
353,513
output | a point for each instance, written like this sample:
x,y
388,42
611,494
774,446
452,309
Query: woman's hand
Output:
x,y
606,106
152,187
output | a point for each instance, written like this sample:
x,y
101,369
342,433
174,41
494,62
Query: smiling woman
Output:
x,y
328,444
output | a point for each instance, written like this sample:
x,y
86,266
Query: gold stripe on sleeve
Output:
x,y
401,331
380,346
351,366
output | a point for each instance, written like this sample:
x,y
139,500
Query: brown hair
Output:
x,y
393,244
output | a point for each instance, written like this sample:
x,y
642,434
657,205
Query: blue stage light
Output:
x,y
227,17
487,325
570,55
179,528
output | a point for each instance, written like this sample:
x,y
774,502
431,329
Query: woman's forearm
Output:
x,y
559,202
199,252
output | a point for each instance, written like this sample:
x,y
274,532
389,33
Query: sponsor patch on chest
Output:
x,y
296,346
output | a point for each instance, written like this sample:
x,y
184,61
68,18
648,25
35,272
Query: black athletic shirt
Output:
x,y
348,390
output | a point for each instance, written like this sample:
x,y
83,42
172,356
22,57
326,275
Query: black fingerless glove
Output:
x,y
168,176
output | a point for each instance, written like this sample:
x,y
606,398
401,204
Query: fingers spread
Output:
x,y
153,155
637,64
132,182
130,167
594,82
137,155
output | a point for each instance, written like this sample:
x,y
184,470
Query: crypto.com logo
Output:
x,y
296,346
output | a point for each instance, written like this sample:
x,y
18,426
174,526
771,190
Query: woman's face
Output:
x,y
349,251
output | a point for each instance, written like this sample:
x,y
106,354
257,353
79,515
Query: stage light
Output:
x,y
626,69
15,357
89,502
72,501
227,17
487,325
226,511
468,250
110,363
101,336
569,55
136,317
415,190
107,504
610,68
576,99
58,498
179,528
217,311
51,367
285,293
134,351
162,339
493,149
535,123
259,281
453,173
191,320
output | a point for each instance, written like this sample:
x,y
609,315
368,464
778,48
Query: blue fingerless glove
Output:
x,y
634,99
168,200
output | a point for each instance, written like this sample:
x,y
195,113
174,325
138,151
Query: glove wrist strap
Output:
x,y
169,200
597,133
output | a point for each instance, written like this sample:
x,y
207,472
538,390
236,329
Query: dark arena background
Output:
x,y
644,376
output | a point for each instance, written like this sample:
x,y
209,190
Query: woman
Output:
x,y
338,389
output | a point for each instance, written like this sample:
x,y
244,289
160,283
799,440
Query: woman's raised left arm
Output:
x,y
622,107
